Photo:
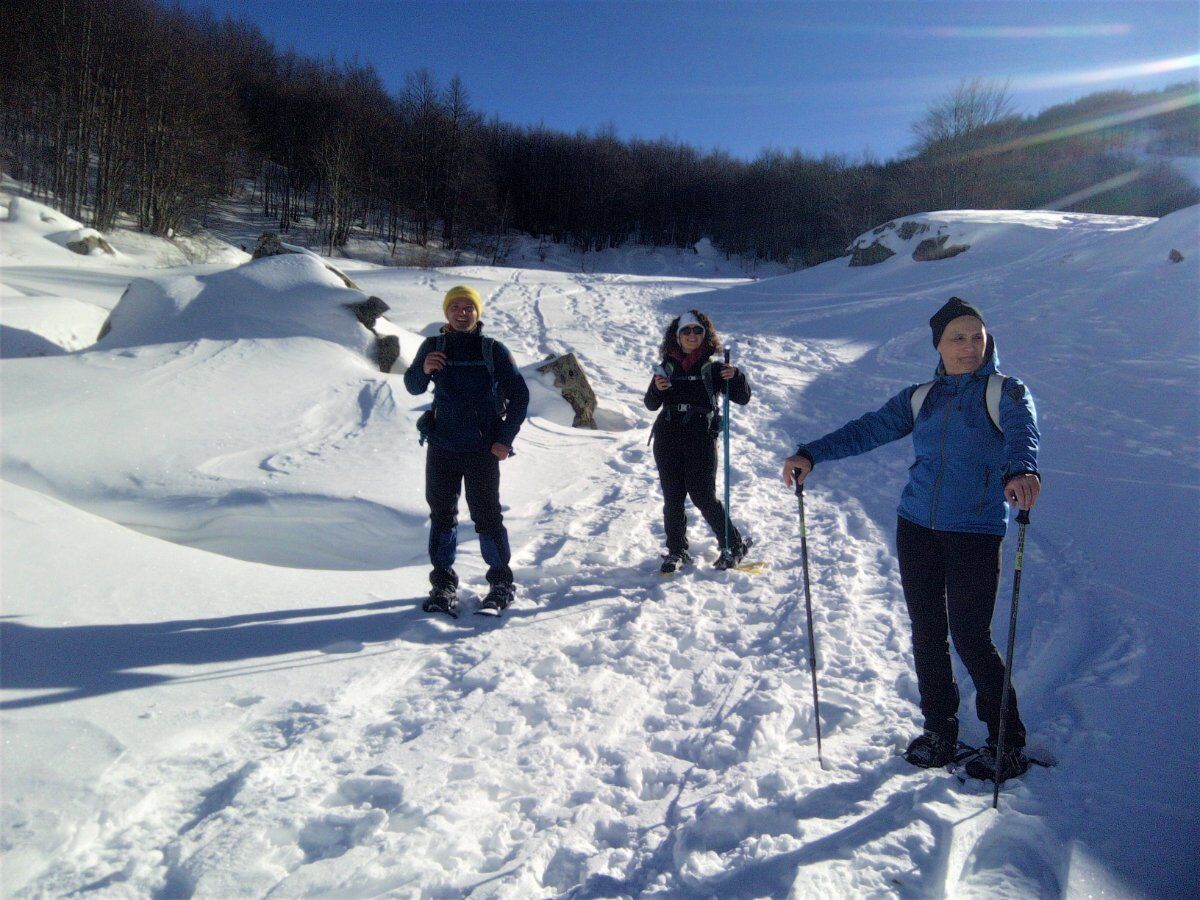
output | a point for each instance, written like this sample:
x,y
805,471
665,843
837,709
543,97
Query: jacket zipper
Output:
x,y
987,480
937,482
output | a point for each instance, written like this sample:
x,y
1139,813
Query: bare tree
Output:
x,y
955,127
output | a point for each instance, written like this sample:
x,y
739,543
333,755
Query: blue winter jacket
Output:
x,y
963,462
465,414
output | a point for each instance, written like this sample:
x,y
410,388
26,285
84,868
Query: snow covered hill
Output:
x,y
217,680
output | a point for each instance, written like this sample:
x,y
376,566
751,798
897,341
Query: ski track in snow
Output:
x,y
615,733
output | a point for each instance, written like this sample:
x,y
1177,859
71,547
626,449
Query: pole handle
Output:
x,y
1023,517
799,483
726,356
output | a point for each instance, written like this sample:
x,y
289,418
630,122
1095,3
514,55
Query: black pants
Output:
x,y
950,582
687,467
445,474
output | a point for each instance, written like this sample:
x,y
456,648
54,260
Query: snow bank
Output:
x,y
35,233
284,296
989,235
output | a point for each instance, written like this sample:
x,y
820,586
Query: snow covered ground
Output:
x,y
217,680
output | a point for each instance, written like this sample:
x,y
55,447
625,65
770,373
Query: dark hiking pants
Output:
x,y
688,468
950,583
445,474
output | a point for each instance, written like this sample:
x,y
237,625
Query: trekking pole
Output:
x,y
1022,520
812,639
725,428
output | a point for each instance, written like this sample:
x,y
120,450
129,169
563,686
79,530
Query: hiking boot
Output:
x,y
930,750
498,598
443,598
983,766
673,562
731,556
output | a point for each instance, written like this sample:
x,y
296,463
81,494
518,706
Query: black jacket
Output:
x,y
687,403
466,417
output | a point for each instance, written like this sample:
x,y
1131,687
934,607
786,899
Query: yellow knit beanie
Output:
x,y
462,292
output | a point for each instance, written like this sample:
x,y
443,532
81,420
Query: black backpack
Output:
x,y
425,424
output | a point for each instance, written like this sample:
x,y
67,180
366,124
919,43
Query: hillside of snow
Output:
x,y
217,681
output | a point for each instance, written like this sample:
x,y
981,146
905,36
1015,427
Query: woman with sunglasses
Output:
x,y
685,387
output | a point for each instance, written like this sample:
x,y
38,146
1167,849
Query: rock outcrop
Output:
x,y
89,242
936,248
570,379
387,346
871,255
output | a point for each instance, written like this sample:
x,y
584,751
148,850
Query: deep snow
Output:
x,y
217,680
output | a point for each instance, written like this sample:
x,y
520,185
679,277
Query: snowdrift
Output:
x,y
35,231
288,296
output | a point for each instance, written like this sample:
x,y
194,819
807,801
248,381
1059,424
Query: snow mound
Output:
x,y
993,233
33,232
45,325
285,296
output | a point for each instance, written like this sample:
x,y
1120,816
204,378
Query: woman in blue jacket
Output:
x,y
952,518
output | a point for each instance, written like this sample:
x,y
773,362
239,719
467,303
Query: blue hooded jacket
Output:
x,y
963,462
462,393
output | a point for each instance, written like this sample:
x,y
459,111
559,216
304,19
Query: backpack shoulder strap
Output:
x,y
489,356
709,388
994,386
918,398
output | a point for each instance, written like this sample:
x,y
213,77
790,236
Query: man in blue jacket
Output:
x,y
952,518
479,403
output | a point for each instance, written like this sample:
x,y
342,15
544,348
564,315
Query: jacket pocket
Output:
x,y
987,482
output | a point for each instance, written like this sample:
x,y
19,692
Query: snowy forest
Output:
x,y
130,107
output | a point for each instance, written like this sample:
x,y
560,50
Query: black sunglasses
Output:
x,y
692,329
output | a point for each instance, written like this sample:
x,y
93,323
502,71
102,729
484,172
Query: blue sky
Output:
x,y
843,77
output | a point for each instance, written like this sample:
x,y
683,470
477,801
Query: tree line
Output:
x,y
129,107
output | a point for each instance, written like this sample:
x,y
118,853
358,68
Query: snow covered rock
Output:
x,y
569,378
387,346
30,225
937,248
870,255
269,244
277,297
90,242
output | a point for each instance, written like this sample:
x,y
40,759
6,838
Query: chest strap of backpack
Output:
x,y
706,376
489,361
991,397
669,409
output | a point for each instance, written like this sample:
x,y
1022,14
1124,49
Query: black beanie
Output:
x,y
954,308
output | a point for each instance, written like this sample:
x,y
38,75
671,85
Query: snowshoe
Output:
x,y
983,766
442,599
731,557
673,562
496,601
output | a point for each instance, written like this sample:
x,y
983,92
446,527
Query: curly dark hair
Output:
x,y
712,340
